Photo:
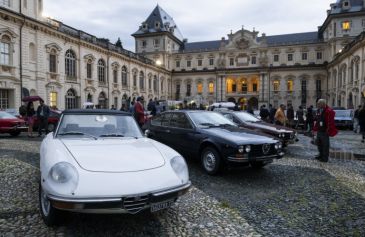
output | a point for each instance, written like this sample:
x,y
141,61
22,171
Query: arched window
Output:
x,y
340,78
124,76
155,83
188,89
162,85
101,71
32,53
89,98
276,85
344,76
115,76
53,99
290,84
200,88
135,78
141,80
334,85
244,86
53,61
150,82
102,101
5,50
89,69
211,87
352,69
70,64
357,71
71,102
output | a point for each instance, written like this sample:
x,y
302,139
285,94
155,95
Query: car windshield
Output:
x,y
246,117
5,115
210,119
343,113
98,125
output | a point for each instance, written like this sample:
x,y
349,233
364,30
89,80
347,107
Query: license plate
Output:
x,y
161,205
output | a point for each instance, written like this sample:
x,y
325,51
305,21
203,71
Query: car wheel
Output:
x,y
211,160
257,164
15,134
48,212
51,127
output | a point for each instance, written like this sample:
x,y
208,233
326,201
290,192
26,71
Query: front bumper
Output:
x,y
247,159
128,204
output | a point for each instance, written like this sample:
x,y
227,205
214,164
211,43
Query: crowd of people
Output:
x,y
42,113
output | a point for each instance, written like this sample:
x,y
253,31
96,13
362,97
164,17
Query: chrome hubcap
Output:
x,y
209,161
45,203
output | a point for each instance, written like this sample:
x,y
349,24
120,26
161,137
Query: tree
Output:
x,y
119,43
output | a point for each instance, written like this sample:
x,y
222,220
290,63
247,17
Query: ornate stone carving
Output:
x,y
242,44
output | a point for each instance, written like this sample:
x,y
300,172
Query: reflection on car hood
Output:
x,y
115,155
270,127
239,136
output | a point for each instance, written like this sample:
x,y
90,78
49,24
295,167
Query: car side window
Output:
x,y
179,120
157,120
235,120
228,116
166,120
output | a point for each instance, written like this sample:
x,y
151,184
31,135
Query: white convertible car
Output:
x,y
98,161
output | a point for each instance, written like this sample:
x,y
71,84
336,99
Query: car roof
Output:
x,y
95,111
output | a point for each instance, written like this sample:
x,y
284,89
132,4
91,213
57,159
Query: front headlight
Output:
x,y
248,148
64,177
278,146
241,149
178,164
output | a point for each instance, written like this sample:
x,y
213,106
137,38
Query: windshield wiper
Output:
x,y
208,124
77,134
112,135
227,125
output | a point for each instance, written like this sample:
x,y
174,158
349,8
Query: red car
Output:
x,y
53,118
11,124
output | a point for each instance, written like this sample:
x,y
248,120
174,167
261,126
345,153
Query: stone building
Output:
x,y
67,67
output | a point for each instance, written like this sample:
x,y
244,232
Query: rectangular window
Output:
x,y
144,43
115,76
231,62
290,57
254,87
200,63
346,25
116,102
304,92
177,63
53,99
276,58
290,86
276,85
211,87
188,90
304,56
156,42
319,55
318,89
177,89
211,61
88,70
188,63
334,29
4,99
4,53
52,63
253,60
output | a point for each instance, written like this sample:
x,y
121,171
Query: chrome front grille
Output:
x,y
135,204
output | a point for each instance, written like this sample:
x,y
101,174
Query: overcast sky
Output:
x,y
198,20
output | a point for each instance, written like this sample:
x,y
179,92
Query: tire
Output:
x,y
211,161
15,134
257,165
51,127
50,215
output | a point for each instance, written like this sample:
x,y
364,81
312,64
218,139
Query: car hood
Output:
x,y
270,127
115,155
239,136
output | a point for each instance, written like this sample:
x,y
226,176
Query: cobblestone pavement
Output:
x,y
294,196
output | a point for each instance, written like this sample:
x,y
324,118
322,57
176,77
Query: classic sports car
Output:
x,y
246,120
11,124
98,161
214,139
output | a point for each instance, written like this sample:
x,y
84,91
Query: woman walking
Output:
x,y
362,122
30,119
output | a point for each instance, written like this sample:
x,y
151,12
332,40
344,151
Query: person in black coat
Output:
x,y
362,122
43,112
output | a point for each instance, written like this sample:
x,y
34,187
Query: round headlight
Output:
x,y
248,148
241,149
64,177
278,145
178,164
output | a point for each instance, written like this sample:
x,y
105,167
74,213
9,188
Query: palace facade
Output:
x,y
68,67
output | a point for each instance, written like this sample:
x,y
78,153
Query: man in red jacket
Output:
x,y
325,127
139,111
